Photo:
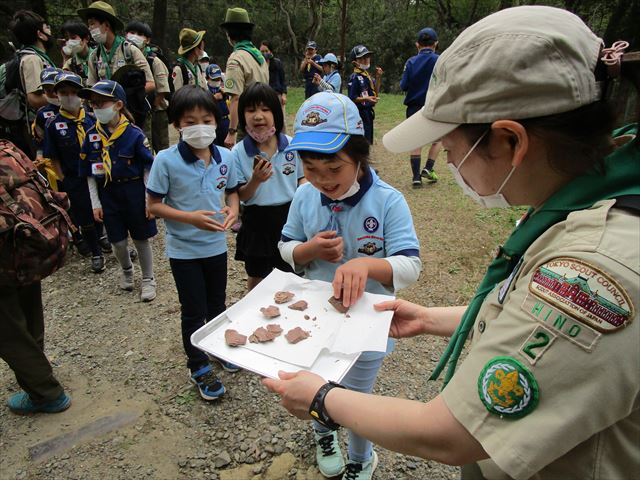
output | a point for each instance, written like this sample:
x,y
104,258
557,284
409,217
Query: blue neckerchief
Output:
x,y
252,149
189,157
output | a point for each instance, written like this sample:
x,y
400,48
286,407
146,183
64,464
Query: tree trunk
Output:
x,y
343,30
292,34
160,23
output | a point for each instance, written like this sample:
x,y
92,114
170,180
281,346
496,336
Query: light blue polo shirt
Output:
x,y
334,80
375,222
287,170
184,183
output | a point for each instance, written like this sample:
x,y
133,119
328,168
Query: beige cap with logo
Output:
x,y
521,62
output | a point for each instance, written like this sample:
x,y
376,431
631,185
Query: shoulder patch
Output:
x,y
585,292
228,83
507,388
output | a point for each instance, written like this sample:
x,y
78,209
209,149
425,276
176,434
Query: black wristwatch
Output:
x,y
232,131
317,410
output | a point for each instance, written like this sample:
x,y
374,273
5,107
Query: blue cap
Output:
x,y
324,123
359,51
312,44
68,77
427,35
214,71
329,57
106,88
48,75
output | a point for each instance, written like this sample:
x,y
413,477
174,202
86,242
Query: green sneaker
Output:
x,y
429,175
22,404
361,471
328,454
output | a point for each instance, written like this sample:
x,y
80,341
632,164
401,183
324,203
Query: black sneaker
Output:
x,y
416,182
209,386
83,248
97,264
105,246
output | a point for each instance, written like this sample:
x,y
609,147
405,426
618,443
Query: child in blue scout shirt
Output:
x,y
187,187
348,227
309,66
362,89
214,83
117,160
331,82
268,178
47,79
64,137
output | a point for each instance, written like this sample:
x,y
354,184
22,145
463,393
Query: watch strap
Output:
x,y
317,409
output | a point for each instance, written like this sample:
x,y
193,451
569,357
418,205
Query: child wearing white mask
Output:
x,y
193,186
116,158
76,48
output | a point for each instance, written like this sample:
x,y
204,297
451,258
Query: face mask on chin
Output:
x,y
495,200
362,67
199,136
354,188
260,137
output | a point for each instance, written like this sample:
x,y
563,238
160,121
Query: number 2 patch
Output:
x,y
536,344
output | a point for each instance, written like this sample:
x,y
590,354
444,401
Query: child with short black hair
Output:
x,y
214,83
186,187
268,178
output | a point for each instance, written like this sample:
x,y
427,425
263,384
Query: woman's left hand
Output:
x,y
296,390
350,280
231,216
147,212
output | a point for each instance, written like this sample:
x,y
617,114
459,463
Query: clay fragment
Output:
x,y
283,297
274,328
307,317
300,306
261,335
337,304
270,312
233,338
296,335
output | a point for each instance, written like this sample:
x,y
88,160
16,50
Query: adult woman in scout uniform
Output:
x,y
187,66
550,386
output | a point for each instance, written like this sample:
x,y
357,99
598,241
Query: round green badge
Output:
x,y
507,388
228,83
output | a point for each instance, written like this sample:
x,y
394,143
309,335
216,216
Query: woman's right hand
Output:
x,y
202,219
97,214
328,246
408,319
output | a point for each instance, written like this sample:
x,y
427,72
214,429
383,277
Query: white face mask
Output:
x,y
362,67
199,136
72,47
70,103
215,83
137,40
53,100
105,115
495,200
354,188
98,35
204,65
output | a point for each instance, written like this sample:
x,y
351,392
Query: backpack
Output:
x,y
156,52
13,105
34,223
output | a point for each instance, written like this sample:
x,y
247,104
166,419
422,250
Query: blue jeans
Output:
x,y
201,285
360,378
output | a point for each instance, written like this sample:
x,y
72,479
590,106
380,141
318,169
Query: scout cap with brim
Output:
x,y
105,88
324,123
67,78
48,76
101,10
236,17
189,39
518,63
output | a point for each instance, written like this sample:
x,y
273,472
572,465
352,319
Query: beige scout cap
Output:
x,y
521,62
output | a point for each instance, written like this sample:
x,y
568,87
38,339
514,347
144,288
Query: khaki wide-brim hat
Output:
x,y
235,17
101,9
190,39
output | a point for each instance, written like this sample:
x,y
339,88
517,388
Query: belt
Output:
x,y
126,179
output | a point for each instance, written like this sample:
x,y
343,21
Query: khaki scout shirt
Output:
x,y
31,65
176,75
242,71
136,57
586,423
161,77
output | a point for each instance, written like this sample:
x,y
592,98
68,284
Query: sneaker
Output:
x,y
126,279
209,386
133,254
148,289
328,454
226,366
361,471
105,246
417,182
97,264
429,175
22,404
83,248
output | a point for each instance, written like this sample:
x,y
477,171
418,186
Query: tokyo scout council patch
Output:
x,y
583,291
507,388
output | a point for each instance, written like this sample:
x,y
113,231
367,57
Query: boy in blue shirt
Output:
x,y
214,83
309,67
186,187
362,89
415,81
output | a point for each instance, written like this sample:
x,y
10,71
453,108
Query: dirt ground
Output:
x,y
134,413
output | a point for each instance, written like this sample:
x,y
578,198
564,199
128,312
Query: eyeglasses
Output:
x,y
100,103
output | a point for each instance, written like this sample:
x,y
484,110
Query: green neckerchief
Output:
x,y
192,68
83,62
42,54
108,56
247,46
621,177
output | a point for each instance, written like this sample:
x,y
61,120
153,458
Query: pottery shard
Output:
x,y
233,338
274,328
270,312
300,305
296,335
262,335
283,297
337,304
